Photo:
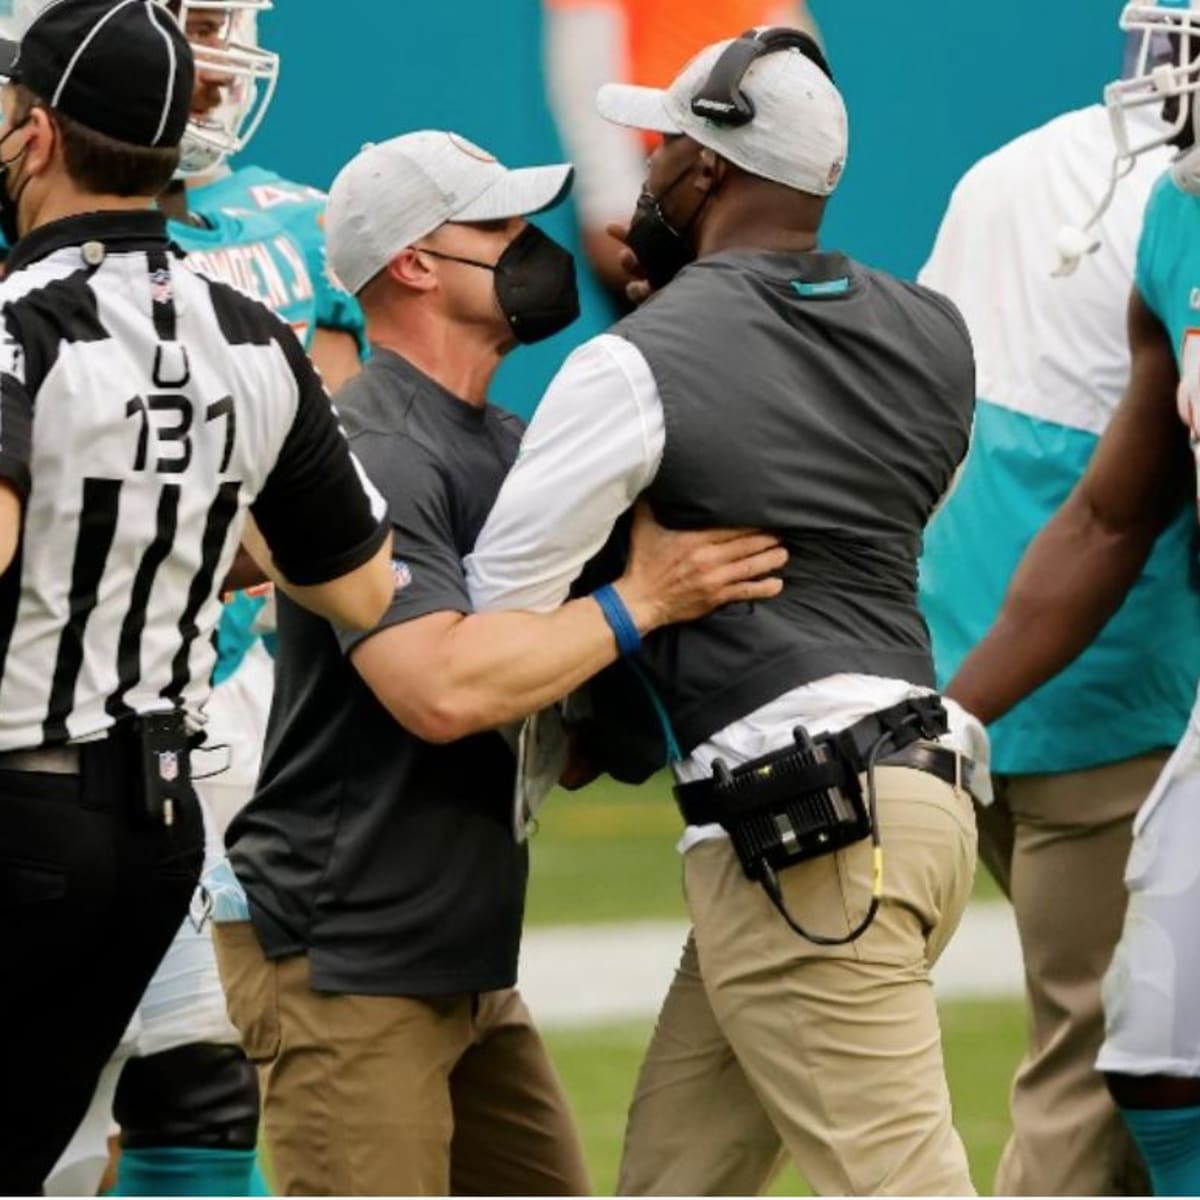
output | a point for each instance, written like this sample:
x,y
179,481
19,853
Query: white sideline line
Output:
x,y
577,975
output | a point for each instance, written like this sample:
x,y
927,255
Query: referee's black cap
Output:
x,y
119,67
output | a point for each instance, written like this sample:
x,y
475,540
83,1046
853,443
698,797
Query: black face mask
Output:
x,y
662,250
535,284
9,204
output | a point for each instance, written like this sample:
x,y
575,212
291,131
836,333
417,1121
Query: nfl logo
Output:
x,y
161,291
168,766
401,575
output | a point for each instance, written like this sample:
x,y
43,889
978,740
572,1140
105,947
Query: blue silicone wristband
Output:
x,y
629,641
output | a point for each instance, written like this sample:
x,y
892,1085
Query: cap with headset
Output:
x,y
394,193
122,68
765,101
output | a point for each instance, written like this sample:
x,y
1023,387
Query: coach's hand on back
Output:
x,y
676,576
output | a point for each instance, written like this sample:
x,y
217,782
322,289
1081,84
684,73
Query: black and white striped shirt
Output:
x,y
144,410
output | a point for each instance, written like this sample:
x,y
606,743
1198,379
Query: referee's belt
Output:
x,y
700,805
47,760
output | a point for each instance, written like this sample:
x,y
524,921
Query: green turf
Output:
x,y
983,1041
608,854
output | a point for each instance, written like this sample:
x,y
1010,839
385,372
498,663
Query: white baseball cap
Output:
x,y
394,193
799,135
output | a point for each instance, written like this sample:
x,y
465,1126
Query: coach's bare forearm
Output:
x,y
447,675
489,669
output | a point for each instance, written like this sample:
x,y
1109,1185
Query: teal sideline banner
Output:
x,y
931,86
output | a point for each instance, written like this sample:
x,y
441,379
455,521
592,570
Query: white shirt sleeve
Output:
x,y
594,445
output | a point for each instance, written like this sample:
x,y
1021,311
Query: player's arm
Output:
x,y
584,43
319,529
1077,572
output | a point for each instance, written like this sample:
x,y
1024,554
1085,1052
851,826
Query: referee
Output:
x,y
145,415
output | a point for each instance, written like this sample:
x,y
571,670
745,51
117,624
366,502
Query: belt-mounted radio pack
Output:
x,y
162,774
807,800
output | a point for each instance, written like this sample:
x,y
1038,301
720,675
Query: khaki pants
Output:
x,y
767,1043
1057,845
387,1095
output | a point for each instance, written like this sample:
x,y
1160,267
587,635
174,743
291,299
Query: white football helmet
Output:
x,y
223,35
1163,63
1166,66
16,16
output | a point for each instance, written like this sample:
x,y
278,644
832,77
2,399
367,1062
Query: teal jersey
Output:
x,y
300,209
257,256
1168,273
1168,281
236,633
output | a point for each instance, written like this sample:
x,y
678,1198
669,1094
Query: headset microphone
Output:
x,y
1074,242
1073,245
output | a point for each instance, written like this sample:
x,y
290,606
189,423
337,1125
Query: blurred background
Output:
x,y
931,86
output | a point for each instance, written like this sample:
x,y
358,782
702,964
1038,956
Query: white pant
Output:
x,y
1152,989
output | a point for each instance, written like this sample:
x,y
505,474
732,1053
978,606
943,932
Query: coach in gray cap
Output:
x,y
775,385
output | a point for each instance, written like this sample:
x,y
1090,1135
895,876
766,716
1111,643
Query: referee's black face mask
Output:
x,y
535,284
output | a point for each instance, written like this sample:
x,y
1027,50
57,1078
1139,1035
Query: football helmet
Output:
x,y
223,35
1165,39
1162,63
16,16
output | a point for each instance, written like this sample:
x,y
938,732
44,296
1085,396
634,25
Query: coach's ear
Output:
x,y
413,270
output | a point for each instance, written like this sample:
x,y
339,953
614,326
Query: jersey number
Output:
x,y
172,417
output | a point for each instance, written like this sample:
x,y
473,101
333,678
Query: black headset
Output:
x,y
721,99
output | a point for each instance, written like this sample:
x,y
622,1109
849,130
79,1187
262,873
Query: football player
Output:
x,y
1076,574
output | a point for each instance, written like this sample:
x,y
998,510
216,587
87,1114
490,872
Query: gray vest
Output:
x,y
810,396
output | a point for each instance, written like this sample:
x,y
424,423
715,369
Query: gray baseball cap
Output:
x,y
799,136
393,193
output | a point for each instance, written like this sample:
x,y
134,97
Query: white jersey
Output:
x,y
1053,353
144,411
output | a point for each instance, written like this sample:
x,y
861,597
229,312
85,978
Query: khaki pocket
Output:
x,y
251,983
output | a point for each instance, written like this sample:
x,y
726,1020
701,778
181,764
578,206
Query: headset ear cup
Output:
x,y
721,99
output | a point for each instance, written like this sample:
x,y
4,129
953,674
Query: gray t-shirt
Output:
x,y
389,861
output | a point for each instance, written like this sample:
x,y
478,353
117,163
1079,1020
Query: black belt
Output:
x,y
698,807
950,766
48,760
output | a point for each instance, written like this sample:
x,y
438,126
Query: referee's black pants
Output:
x,y
91,895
